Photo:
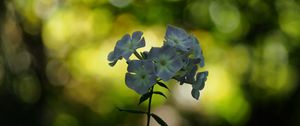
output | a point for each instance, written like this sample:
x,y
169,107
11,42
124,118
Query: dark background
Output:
x,y
54,72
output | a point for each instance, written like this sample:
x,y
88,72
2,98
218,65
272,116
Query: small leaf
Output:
x,y
162,85
144,97
159,120
160,93
132,111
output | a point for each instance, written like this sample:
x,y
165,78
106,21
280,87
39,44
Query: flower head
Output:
x,y
140,76
177,37
177,59
126,46
166,61
199,84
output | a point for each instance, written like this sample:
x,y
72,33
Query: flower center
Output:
x,y
163,62
130,46
176,41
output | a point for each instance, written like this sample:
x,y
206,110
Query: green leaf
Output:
x,y
159,120
160,93
132,111
162,85
144,97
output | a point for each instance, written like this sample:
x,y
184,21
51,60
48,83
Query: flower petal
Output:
x,y
132,83
197,51
165,74
123,42
133,65
140,43
195,93
173,30
187,74
111,56
190,76
154,53
200,80
149,66
136,36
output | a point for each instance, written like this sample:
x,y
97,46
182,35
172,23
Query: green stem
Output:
x,y
137,55
149,107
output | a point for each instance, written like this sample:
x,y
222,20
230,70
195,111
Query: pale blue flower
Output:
x,y
178,38
126,46
140,76
166,61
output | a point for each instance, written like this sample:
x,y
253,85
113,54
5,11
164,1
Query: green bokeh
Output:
x,y
53,57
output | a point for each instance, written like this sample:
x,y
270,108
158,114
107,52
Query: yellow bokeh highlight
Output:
x,y
76,26
223,96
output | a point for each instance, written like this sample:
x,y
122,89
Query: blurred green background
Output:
x,y
54,72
